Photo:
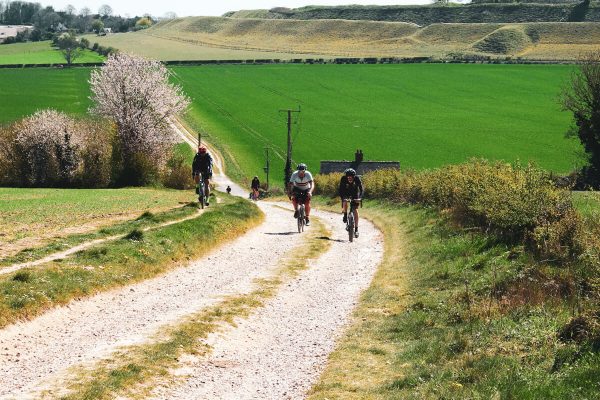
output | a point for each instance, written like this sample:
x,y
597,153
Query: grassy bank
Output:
x,y
140,255
456,314
146,220
32,218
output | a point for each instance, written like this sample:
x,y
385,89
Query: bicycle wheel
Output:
x,y
201,197
301,220
351,227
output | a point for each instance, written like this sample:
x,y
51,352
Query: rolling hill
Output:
x,y
201,38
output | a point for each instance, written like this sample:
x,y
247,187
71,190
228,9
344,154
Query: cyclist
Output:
x,y
300,188
202,166
255,186
350,188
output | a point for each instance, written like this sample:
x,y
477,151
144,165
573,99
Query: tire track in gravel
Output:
x,y
280,351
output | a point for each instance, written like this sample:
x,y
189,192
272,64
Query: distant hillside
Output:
x,y
341,38
430,14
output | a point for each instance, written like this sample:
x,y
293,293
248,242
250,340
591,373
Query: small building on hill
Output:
x,y
361,166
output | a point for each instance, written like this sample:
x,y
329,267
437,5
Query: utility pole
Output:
x,y
267,166
288,160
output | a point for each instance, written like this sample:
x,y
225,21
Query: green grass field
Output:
x,y
423,115
40,53
26,90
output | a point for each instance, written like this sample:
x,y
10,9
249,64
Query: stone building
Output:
x,y
361,166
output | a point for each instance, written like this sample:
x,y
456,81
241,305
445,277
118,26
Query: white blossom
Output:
x,y
136,94
51,144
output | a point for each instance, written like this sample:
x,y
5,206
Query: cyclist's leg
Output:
x,y
307,205
206,187
344,206
355,216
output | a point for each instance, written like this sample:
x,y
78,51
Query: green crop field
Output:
x,y
23,91
423,115
40,53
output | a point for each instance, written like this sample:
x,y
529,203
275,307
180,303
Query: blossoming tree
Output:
x,y
136,94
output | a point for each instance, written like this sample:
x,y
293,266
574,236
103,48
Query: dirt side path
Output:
x,y
280,351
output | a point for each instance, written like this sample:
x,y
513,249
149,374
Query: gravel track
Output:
x,y
280,351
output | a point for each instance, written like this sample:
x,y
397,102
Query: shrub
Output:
x,y
52,149
84,43
178,172
516,202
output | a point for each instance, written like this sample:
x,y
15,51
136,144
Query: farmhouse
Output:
x,y
7,31
361,166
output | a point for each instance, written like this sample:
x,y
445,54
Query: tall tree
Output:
x,y
97,26
582,98
105,11
136,94
69,47
85,12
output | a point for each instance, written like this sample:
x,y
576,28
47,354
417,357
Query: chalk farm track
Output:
x,y
277,352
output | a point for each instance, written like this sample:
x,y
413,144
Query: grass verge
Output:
x,y
455,314
135,370
31,291
145,220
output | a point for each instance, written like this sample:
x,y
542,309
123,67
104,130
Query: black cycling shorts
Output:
x,y
300,195
205,175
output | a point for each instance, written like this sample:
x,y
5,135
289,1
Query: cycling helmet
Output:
x,y
301,167
201,149
350,172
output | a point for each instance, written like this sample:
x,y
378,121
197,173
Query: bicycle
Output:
x,y
201,193
350,221
301,218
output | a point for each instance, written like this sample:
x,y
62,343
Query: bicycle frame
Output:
x,y
350,224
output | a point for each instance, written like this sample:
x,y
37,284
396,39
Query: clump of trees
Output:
x,y
127,141
48,21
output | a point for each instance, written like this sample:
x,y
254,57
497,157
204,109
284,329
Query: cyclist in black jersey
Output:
x,y
350,188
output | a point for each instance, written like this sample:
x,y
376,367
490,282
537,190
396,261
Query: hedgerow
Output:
x,y
519,203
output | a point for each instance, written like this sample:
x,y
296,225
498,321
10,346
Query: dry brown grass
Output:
x,y
204,38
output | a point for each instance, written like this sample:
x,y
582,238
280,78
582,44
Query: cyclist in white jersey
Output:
x,y
300,188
